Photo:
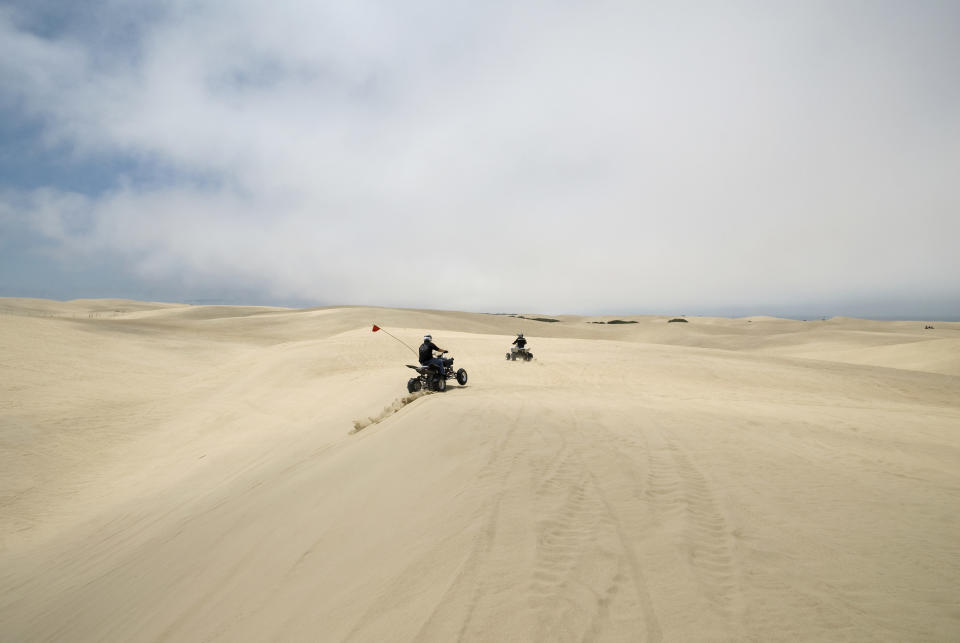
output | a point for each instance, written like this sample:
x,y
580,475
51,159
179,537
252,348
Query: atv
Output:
x,y
428,377
519,353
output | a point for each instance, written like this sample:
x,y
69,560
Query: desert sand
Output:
x,y
196,473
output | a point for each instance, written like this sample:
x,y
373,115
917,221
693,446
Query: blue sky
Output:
x,y
794,158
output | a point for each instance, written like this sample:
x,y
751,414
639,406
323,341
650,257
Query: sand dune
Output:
x,y
196,473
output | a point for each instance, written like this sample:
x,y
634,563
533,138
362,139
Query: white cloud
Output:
x,y
560,156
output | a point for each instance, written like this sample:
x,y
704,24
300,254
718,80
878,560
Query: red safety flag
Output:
x,y
375,328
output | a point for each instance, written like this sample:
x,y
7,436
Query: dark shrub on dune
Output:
x,y
676,319
539,319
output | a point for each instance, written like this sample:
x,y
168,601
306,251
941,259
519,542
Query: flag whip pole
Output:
x,y
376,328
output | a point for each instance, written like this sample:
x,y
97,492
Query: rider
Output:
x,y
520,341
426,354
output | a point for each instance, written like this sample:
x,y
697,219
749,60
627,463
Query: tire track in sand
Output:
x,y
587,527
470,583
567,534
683,495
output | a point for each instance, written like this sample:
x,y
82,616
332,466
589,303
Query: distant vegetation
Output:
x,y
539,319
613,321
677,319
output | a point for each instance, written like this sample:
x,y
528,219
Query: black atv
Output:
x,y
429,378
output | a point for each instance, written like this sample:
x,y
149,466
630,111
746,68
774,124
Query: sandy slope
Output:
x,y
188,473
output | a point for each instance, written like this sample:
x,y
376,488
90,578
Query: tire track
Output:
x,y
566,536
629,573
684,520
711,552
600,622
470,583
682,495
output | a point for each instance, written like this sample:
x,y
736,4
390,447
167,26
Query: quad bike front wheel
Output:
x,y
413,385
462,377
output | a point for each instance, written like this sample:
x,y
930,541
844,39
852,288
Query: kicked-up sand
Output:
x,y
194,473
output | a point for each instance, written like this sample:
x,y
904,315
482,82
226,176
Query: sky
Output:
x,y
771,157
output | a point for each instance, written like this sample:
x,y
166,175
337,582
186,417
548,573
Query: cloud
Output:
x,y
559,156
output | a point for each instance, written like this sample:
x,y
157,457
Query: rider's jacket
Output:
x,y
426,352
520,342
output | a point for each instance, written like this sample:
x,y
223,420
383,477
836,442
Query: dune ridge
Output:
x,y
200,473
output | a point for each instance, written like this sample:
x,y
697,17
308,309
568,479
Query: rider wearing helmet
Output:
x,y
426,354
520,341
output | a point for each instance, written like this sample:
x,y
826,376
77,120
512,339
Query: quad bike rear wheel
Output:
x,y
528,356
413,385
441,384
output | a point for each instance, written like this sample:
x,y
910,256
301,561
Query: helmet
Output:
x,y
428,338
521,334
